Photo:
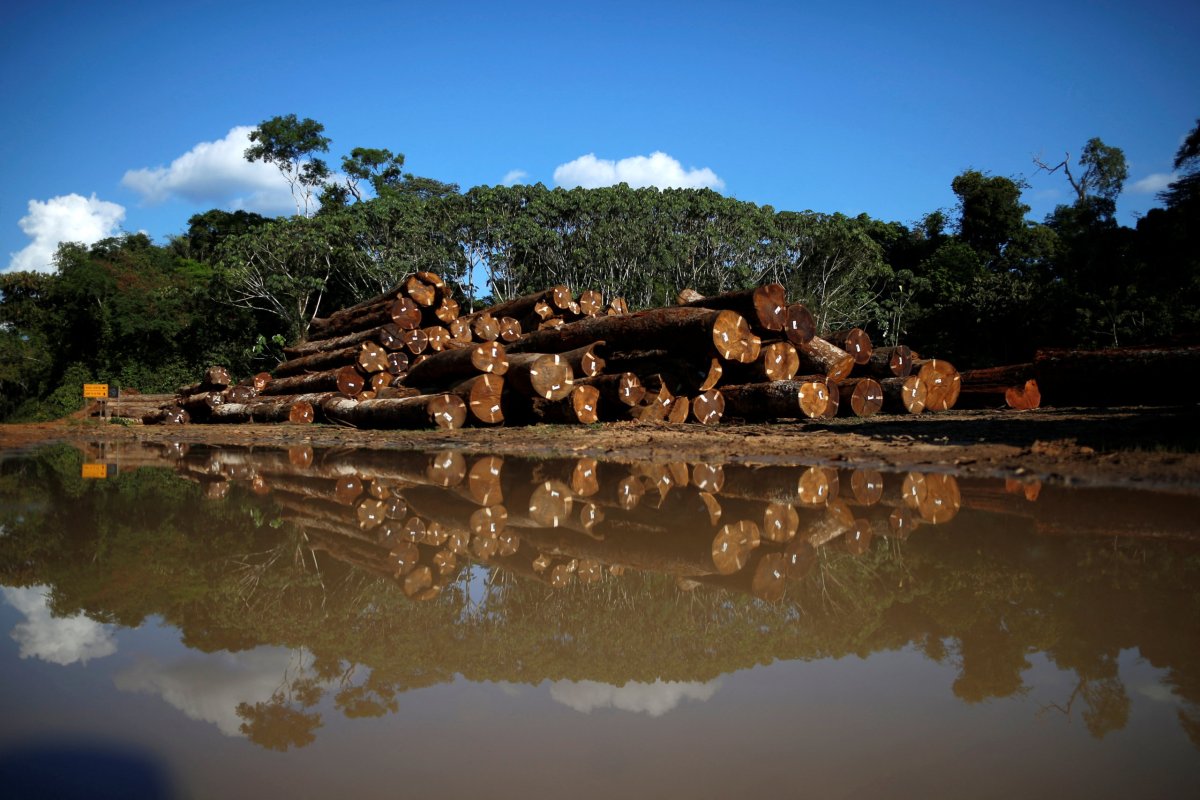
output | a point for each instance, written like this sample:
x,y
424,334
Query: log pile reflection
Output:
x,y
419,518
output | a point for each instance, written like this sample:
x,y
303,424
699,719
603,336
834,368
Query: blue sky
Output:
x,y
866,107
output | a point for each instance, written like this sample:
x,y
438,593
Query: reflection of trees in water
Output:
x,y
980,591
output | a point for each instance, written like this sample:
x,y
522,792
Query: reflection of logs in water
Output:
x,y
419,517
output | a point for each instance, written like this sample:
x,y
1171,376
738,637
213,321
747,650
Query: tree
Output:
x,y
1103,176
1184,192
991,213
291,145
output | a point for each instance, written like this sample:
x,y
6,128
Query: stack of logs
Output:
x,y
409,358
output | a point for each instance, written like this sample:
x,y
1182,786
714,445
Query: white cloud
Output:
x,y
657,169
216,174
1154,183
513,176
59,640
210,687
654,699
67,218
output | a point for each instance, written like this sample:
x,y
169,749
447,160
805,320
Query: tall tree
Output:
x,y
1103,176
291,145
991,211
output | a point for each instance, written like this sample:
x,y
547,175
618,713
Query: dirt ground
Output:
x,y
1144,447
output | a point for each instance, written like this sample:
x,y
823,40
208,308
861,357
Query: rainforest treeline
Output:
x,y
979,284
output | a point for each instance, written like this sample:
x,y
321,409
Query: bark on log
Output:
x,y
820,355
326,381
763,307
520,307
686,330
580,407
423,411
453,366
809,396
585,361
320,345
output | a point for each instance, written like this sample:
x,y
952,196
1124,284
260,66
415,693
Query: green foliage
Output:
x,y
291,145
991,211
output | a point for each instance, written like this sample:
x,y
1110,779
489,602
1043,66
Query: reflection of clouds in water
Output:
x,y
1159,693
210,687
654,699
59,640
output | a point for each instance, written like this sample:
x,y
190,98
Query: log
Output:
x,y
820,355
1103,377
708,407
541,374
778,361
886,362
799,327
904,395
763,307
326,381
942,383
307,348
319,361
167,416
854,341
860,397
482,394
1022,397
585,361
687,330
454,366
401,313
807,396
580,407
423,411
616,390
520,307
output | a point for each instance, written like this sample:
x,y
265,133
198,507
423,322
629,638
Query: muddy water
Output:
x,y
228,622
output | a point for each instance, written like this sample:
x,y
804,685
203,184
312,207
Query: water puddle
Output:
x,y
387,621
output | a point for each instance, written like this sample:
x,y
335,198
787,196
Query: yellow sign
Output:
x,y
95,471
95,390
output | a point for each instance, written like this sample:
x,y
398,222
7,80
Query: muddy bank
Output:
x,y
1143,447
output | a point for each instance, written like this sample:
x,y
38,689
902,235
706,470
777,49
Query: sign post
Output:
x,y
97,391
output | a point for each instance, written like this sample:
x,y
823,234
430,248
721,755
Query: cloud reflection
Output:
x,y
210,687
58,640
654,699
